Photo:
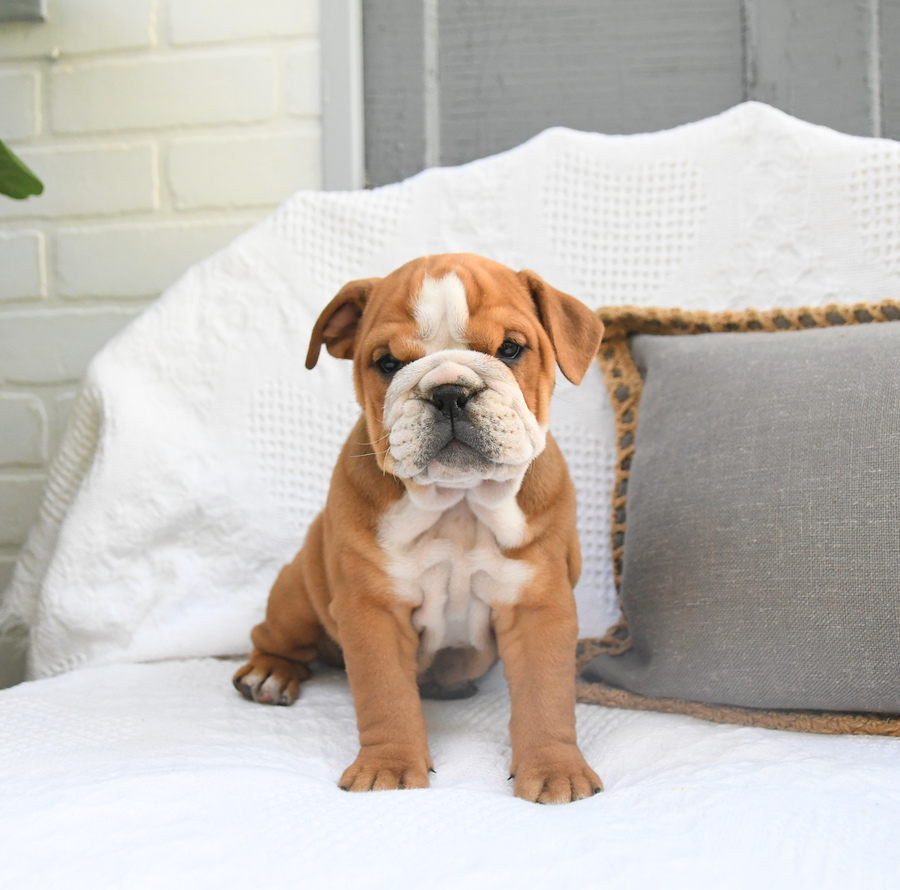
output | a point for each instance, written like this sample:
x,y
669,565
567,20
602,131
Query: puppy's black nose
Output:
x,y
449,399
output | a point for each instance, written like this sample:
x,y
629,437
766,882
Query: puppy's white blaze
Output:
x,y
442,313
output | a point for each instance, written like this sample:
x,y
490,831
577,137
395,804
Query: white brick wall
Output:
x,y
96,180
302,82
23,419
257,169
161,129
19,91
19,494
196,88
157,254
212,21
23,266
50,346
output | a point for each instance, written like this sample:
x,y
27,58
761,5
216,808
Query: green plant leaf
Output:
x,y
16,180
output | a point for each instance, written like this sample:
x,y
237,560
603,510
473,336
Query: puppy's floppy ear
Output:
x,y
574,330
336,327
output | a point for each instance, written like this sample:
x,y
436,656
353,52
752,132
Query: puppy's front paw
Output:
x,y
555,775
270,680
385,768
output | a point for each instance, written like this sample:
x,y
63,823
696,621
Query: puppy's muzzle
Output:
x,y
458,417
455,440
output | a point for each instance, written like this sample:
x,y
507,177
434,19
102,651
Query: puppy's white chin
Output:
x,y
437,473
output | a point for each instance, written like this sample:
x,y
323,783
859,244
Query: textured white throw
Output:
x,y
161,777
200,448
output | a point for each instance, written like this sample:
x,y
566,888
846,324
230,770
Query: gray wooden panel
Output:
x,y
890,68
510,68
812,59
394,86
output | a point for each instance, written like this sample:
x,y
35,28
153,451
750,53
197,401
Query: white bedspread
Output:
x,y
161,775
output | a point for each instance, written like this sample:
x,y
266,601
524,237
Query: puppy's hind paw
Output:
x,y
270,680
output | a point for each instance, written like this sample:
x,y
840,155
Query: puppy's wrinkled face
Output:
x,y
456,378
454,365
457,415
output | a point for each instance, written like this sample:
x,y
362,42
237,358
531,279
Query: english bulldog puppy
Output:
x,y
448,537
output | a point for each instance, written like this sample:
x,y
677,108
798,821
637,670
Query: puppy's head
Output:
x,y
454,364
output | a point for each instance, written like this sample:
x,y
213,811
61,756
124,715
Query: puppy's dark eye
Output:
x,y
509,352
388,365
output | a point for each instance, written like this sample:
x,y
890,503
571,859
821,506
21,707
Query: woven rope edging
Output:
x,y
822,722
625,386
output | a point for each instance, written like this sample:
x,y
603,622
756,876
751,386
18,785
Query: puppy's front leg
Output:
x,y
537,644
380,646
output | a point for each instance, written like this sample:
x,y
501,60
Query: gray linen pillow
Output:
x,y
760,564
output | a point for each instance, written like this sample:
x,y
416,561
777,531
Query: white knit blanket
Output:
x,y
200,448
161,777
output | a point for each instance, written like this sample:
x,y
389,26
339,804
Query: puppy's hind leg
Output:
x,y
284,644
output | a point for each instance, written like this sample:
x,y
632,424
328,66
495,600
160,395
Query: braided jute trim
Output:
x,y
823,722
625,386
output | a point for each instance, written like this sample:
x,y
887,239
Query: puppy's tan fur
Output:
x,y
346,597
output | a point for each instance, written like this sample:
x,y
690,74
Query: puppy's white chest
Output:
x,y
449,565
